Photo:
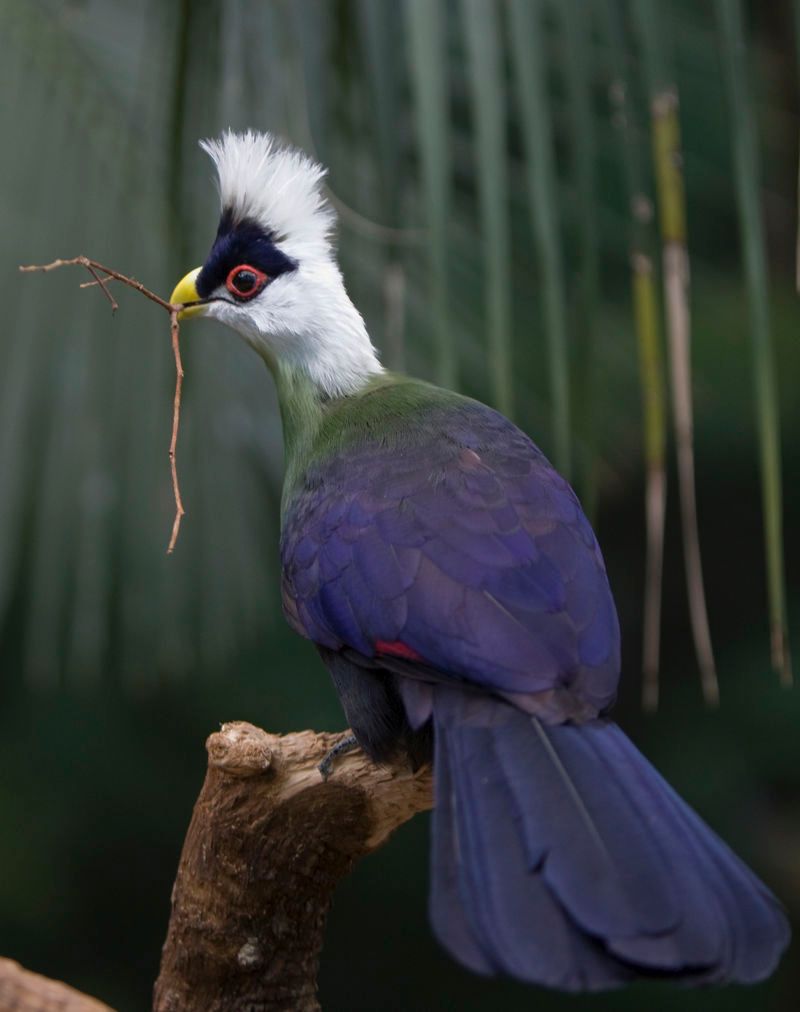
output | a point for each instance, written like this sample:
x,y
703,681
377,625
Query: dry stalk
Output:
x,y
97,270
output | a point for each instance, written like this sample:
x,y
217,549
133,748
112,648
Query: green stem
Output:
x,y
525,23
646,313
488,101
428,59
668,157
745,155
577,26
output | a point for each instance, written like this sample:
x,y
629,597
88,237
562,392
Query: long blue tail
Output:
x,y
561,857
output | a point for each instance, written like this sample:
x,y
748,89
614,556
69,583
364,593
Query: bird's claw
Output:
x,y
347,744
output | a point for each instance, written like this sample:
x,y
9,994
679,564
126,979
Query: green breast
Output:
x,y
389,411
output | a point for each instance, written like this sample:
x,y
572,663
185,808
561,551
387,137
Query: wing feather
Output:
x,y
456,537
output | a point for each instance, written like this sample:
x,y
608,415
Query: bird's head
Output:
x,y
271,273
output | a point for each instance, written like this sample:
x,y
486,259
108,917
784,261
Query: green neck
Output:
x,y
314,423
303,408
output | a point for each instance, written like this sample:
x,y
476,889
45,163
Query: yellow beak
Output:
x,y
186,292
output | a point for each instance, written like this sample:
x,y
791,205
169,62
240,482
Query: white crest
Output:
x,y
277,186
304,319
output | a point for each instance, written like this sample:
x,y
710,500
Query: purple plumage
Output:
x,y
452,583
460,541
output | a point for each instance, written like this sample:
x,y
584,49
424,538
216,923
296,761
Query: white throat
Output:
x,y
308,325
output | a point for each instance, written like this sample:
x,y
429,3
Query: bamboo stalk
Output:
x,y
667,156
488,101
577,25
428,59
649,340
745,156
796,21
525,25
646,313
379,22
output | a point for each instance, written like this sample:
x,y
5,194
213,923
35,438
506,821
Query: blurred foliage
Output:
x,y
116,661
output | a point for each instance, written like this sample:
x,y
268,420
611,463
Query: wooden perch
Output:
x,y
23,991
268,842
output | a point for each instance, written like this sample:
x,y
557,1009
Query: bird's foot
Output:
x,y
347,744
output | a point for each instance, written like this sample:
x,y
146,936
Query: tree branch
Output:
x,y
268,842
23,991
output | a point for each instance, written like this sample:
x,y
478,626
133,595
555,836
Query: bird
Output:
x,y
456,592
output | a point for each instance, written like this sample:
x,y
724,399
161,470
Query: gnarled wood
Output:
x,y
268,842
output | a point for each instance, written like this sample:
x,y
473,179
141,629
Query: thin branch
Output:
x,y
176,418
92,284
98,280
88,264
96,269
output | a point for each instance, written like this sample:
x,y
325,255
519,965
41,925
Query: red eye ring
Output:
x,y
245,281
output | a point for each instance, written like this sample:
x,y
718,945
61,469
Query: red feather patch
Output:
x,y
396,648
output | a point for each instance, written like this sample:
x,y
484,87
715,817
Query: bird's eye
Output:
x,y
245,281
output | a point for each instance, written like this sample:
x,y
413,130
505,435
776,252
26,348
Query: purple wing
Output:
x,y
455,544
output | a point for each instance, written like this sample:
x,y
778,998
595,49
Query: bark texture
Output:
x,y
23,991
268,842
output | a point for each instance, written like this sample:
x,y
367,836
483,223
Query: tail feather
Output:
x,y
560,856
586,863
758,931
448,916
726,899
522,928
507,913
700,940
